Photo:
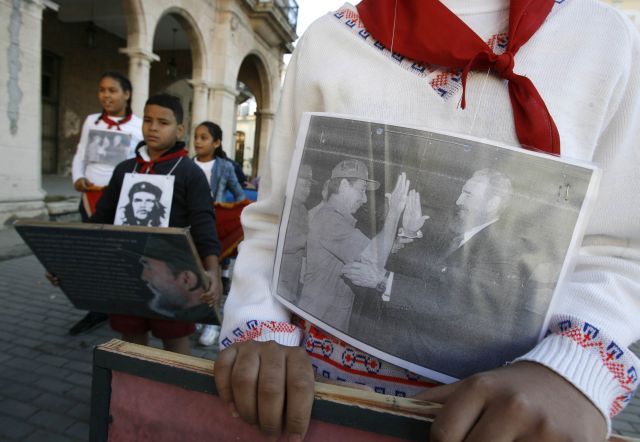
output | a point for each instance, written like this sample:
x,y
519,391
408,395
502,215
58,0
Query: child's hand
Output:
x,y
214,294
82,184
53,279
268,385
524,401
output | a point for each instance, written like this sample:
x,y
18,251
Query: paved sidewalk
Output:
x,y
45,374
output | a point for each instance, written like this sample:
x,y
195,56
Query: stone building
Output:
x,y
214,54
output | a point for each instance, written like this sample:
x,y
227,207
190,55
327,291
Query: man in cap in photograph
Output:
x,y
171,272
334,241
295,245
144,207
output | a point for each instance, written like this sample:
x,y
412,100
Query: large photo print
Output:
x,y
434,252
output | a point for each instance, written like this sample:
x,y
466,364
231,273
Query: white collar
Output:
x,y
460,7
471,233
144,152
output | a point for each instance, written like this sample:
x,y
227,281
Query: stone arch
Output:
x,y
254,72
195,36
136,23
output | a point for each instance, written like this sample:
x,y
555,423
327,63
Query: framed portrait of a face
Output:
x,y
145,200
132,270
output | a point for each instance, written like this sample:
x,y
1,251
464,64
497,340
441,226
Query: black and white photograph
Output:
x,y
107,147
436,252
138,271
145,200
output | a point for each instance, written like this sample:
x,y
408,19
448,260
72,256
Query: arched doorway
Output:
x,y
178,43
80,41
254,95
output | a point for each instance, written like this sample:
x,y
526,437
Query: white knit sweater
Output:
x,y
584,62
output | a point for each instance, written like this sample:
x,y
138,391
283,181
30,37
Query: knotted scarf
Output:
x,y
147,166
428,32
111,123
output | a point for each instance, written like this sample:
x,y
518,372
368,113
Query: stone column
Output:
x,y
200,107
264,123
222,110
21,193
139,66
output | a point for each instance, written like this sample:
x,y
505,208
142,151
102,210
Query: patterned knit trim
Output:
x,y
445,82
622,365
350,361
253,329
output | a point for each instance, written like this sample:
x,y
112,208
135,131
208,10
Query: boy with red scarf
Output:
x,y
162,153
420,63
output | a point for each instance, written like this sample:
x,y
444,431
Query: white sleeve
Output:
x,y
79,164
251,312
598,316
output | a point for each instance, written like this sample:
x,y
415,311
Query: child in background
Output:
x,y
220,173
89,171
211,158
162,153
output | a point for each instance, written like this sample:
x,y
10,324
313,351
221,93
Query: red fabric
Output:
x,y
428,32
147,166
160,328
90,199
228,226
111,123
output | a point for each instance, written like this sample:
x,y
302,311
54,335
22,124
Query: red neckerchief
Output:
x,y
428,32
147,166
111,123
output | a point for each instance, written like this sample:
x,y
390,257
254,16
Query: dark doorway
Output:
x,y
50,97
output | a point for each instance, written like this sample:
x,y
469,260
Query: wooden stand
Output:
x,y
143,393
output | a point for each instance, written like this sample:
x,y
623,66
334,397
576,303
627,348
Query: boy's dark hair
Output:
x,y
170,102
124,83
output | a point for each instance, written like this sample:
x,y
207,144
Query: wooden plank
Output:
x,y
129,353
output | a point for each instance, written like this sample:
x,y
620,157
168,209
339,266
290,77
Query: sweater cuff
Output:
x,y
591,362
282,332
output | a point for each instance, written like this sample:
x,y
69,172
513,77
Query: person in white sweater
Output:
x,y
107,138
582,373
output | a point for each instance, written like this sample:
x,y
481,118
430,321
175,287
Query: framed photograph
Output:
x,y
435,252
139,271
145,200
107,147
143,393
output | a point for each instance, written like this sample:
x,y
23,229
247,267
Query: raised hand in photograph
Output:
x,y
380,247
412,218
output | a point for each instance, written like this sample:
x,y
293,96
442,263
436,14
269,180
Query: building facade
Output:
x,y
214,54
